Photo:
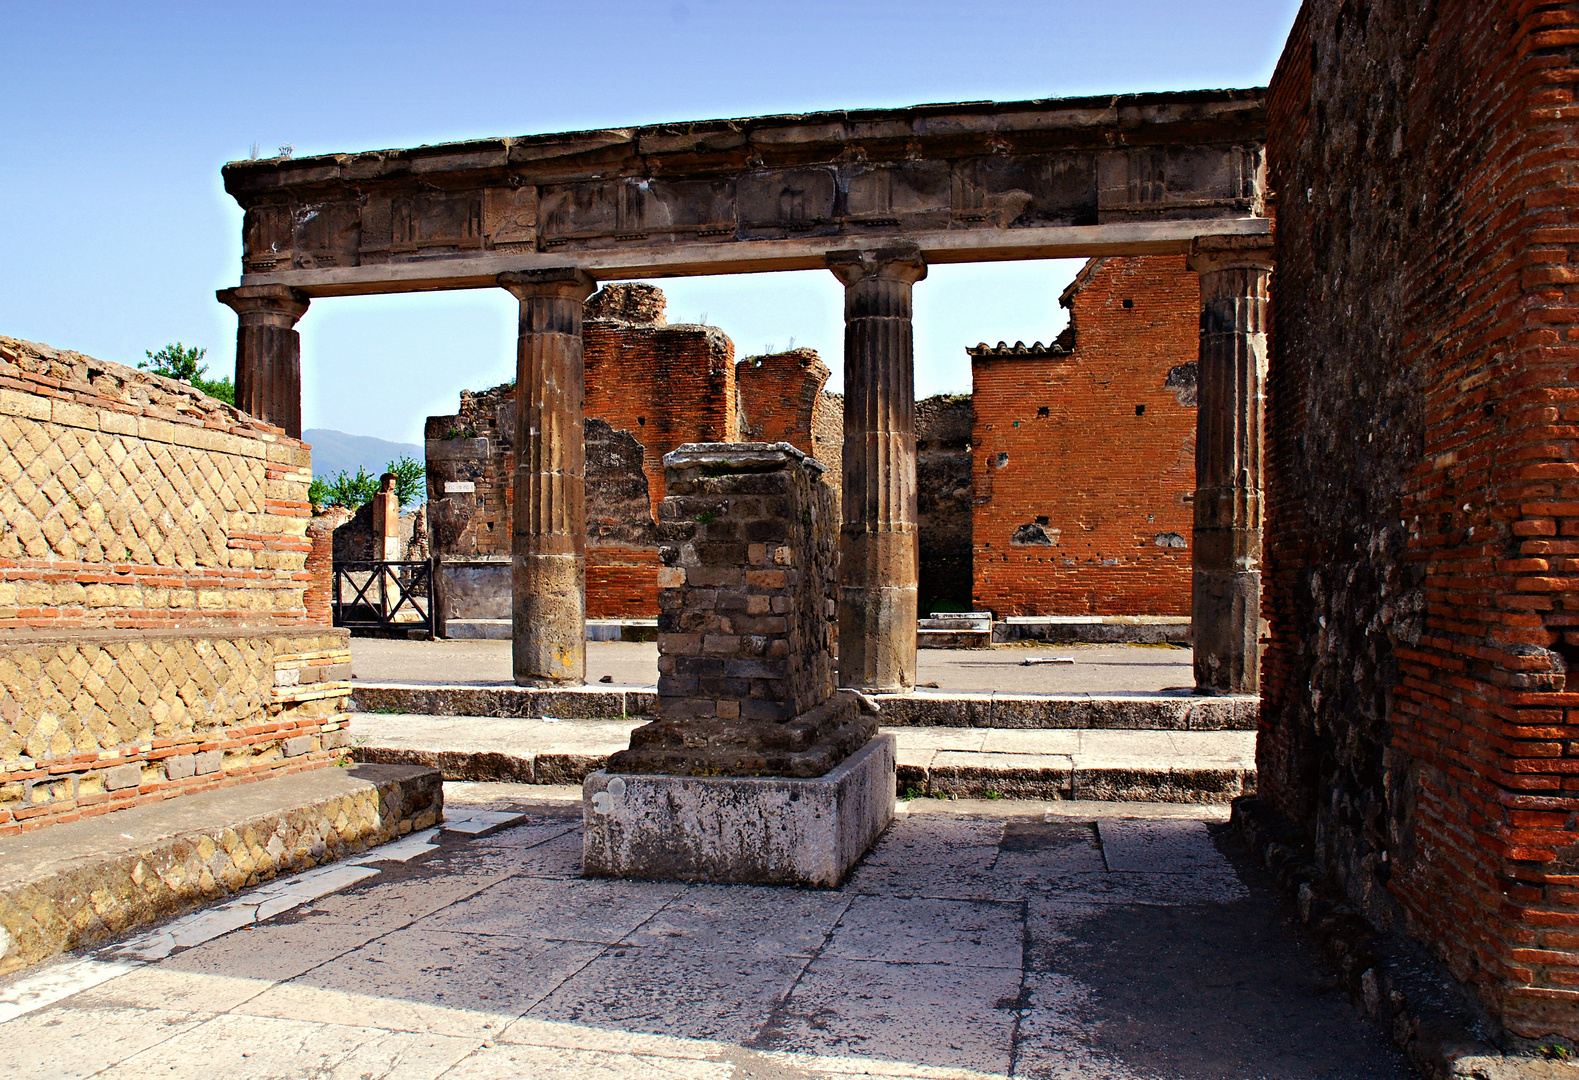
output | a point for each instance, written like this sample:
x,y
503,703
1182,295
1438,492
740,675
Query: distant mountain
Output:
x,y
335,451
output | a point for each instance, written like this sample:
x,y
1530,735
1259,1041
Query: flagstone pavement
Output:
x,y
977,939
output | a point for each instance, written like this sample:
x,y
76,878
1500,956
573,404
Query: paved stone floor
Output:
x,y
976,940
1098,669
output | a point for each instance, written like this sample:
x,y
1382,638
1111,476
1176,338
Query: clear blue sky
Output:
x,y
116,117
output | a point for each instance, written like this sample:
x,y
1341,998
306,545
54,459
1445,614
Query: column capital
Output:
x,y
564,282
278,304
1212,253
901,262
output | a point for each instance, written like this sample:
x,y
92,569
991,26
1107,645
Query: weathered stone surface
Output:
x,y
759,830
269,353
84,881
1226,605
974,181
745,651
878,538
549,523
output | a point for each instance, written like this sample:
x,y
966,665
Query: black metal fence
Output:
x,y
384,596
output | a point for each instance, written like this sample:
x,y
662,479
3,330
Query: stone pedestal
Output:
x,y
768,830
1226,606
269,353
755,770
878,538
549,607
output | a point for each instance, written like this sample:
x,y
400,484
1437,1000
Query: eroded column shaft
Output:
x,y
1228,471
549,607
269,353
878,538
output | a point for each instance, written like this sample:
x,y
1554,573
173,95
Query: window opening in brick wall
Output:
x,y
1041,410
1140,410
1128,302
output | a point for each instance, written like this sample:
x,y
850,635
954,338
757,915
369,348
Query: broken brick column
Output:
x,y
548,582
269,353
877,542
1226,605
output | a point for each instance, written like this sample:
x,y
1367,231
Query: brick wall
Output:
x,y
650,387
154,633
1084,451
1423,510
132,501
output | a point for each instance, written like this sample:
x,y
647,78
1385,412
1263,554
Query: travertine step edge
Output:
x,y
83,882
1136,712
1203,778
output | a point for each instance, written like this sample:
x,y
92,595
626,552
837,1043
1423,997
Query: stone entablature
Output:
x,y
134,501
94,721
963,182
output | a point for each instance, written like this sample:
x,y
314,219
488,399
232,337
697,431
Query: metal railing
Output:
x,y
373,595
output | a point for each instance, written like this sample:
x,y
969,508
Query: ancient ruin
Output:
x,y
756,770
872,196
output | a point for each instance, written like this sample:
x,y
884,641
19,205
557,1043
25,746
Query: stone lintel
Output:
x,y
742,830
481,269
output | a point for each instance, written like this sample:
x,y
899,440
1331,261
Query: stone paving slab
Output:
x,y
475,960
1148,766
76,883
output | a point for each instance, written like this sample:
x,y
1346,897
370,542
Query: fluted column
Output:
x,y
549,582
877,541
269,353
1226,606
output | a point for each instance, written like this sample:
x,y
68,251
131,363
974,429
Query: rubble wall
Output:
x,y
154,636
944,502
1084,451
1423,501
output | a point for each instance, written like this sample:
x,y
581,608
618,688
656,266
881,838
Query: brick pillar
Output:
x,y
549,537
877,541
319,598
1226,605
269,353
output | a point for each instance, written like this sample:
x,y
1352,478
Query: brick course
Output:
x,y
1423,498
1084,451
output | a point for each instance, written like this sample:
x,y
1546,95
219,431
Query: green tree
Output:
x,y
352,492
411,479
177,361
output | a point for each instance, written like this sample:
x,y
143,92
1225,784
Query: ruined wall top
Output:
x,y
86,380
632,302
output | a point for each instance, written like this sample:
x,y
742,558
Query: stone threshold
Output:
x,y
73,885
1137,712
1200,767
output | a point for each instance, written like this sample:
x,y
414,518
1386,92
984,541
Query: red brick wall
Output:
x,y
779,395
1423,512
1058,443
666,385
622,583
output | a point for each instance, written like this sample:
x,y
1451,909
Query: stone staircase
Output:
x,y
1156,747
955,630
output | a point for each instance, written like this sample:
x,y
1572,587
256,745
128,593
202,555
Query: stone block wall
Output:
x,y
1423,491
132,501
154,633
1084,451
94,721
748,584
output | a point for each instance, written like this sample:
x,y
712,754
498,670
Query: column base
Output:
x,y
748,830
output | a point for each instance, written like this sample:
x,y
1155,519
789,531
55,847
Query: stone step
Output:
x,y
1143,766
945,638
77,883
1097,629
1163,711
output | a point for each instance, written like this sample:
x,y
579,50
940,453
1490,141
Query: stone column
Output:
x,y
1226,606
549,582
877,541
269,353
